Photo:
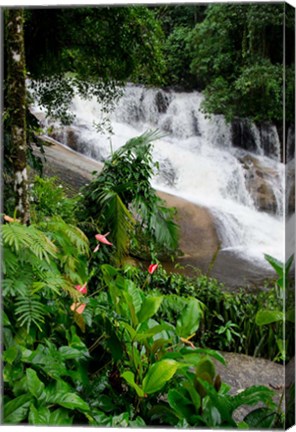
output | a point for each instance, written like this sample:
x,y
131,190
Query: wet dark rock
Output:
x,y
162,102
242,135
259,182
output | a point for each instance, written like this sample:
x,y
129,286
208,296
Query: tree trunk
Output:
x,y
16,98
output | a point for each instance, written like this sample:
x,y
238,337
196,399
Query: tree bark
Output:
x,y
16,98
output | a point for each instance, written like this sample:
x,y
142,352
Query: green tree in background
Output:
x,y
238,60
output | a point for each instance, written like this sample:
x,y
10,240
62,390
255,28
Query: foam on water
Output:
x,y
197,162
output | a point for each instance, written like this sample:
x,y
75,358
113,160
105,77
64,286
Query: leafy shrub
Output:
x,y
110,363
49,198
121,200
224,311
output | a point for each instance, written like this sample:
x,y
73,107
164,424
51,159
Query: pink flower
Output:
x,y
10,219
152,268
78,307
102,238
81,288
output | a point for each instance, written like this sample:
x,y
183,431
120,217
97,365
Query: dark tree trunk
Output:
x,y
16,100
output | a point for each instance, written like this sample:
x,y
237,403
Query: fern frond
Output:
x,y
9,261
16,236
42,246
30,311
67,236
20,237
78,238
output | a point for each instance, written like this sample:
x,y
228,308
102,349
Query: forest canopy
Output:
x,y
233,52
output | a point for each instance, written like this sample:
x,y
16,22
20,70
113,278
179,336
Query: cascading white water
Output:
x,y
197,162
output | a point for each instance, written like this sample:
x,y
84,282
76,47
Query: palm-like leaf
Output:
x,y
120,221
138,145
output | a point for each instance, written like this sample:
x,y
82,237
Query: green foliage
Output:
x,y
279,315
38,265
238,59
49,198
64,369
178,53
229,322
121,200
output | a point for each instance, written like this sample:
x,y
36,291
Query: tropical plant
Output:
x,y
67,364
37,266
121,200
275,315
151,356
239,308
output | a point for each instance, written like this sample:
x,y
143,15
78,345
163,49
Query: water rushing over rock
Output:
x,y
232,170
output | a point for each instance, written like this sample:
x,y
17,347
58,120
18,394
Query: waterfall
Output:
x,y
200,161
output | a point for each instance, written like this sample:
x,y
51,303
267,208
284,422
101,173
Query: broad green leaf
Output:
x,y
261,418
195,396
221,402
70,400
10,355
210,413
212,353
158,375
276,264
282,347
150,332
149,307
288,264
35,385
205,367
265,316
16,410
60,417
129,302
68,353
136,295
188,321
159,344
130,379
132,332
253,395
180,403
39,416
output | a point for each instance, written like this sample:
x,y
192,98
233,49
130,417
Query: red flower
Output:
x,y
81,288
78,307
152,268
102,238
